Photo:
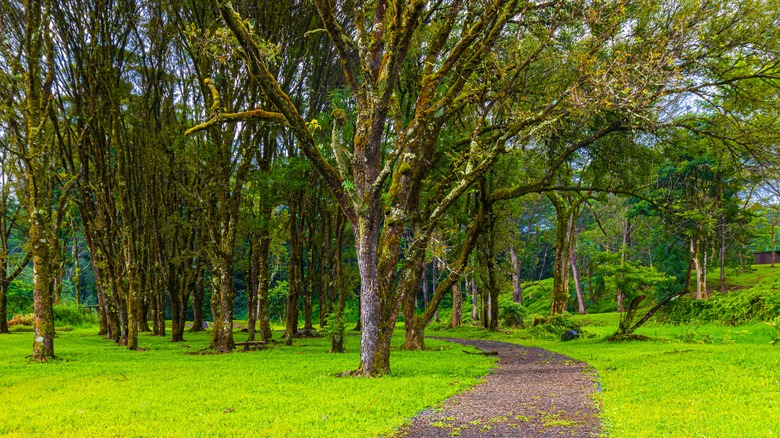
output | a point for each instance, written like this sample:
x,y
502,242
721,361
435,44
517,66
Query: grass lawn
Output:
x,y
706,381
756,274
99,389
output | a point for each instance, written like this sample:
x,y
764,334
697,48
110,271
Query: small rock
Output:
x,y
569,335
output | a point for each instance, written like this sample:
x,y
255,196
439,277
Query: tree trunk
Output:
x,y
263,280
197,301
577,284
177,307
722,253
517,291
433,287
561,267
3,300
43,338
291,326
490,288
374,356
566,212
457,307
474,299
216,319
101,293
76,278
705,292
37,176
697,267
251,292
159,316
337,340
224,341
425,287
308,290
773,223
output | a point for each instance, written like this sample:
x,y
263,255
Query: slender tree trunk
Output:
x,y
697,267
308,288
197,301
722,253
457,307
264,280
293,274
3,299
425,286
772,225
101,294
433,287
705,292
474,299
159,316
623,250
216,318
251,292
337,340
177,307
76,278
577,284
491,297
517,291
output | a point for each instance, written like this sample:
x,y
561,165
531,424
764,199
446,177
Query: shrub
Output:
x,y
334,328
551,327
69,314
277,300
514,315
19,319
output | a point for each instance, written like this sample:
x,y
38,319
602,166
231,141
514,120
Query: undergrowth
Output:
x,y
755,304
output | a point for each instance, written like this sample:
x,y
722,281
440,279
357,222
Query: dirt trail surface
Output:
x,y
532,393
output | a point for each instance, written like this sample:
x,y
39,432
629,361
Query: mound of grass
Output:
x,y
738,280
99,389
754,304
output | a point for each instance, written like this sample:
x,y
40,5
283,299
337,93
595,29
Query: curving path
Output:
x,y
532,393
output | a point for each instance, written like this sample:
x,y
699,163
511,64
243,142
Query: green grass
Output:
x,y
536,296
734,280
706,381
99,389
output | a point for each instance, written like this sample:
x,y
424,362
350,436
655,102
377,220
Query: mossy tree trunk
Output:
x,y
337,340
456,317
39,160
567,207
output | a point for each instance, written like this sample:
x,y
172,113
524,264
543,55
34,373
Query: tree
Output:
x,y
30,112
397,138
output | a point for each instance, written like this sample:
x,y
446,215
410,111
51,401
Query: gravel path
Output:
x,y
532,393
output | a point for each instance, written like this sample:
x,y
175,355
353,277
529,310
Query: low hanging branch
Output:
x,y
220,118
665,301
